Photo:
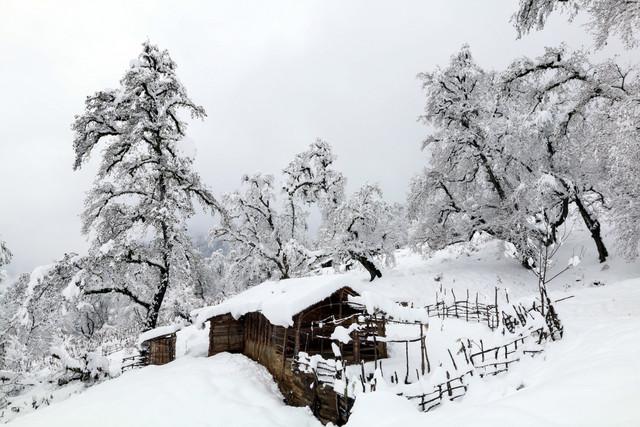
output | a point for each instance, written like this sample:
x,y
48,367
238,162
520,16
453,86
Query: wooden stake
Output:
x,y
406,349
422,349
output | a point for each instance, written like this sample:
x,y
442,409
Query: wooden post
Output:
x,y
464,351
422,349
497,312
466,311
426,357
406,350
296,348
455,303
452,359
284,349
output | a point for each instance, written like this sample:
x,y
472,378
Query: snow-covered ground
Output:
x,y
224,390
591,377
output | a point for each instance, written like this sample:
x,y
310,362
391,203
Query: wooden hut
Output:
x,y
272,322
158,346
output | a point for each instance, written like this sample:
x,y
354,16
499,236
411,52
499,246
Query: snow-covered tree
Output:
x,y
261,239
626,198
572,113
363,229
145,187
433,213
311,179
46,322
553,135
36,313
5,258
266,231
619,129
470,182
607,17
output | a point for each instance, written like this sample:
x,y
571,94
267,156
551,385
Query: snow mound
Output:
x,y
223,390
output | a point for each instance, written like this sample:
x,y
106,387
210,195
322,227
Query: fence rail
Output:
x,y
135,361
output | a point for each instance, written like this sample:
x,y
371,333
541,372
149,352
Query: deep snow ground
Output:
x,y
224,390
590,378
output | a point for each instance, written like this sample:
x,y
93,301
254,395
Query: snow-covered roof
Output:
x,y
277,301
158,332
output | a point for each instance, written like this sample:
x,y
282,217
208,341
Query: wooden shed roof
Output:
x,y
277,301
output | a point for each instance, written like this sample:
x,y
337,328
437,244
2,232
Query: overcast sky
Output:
x,y
272,75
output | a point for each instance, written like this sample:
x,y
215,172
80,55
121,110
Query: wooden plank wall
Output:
x,y
162,349
275,347
226,334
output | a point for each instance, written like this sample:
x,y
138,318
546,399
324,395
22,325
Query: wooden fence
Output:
x,y
468,309
451,389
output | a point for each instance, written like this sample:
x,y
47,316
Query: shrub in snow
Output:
x,y
87,366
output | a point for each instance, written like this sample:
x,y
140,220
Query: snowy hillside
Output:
x,y
590,377
227,390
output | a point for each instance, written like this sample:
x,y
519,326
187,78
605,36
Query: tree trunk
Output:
x,y
167,248
493,179
156,304
562,217
368,265
593,225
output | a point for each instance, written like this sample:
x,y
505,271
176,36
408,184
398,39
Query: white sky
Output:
x,y
273,76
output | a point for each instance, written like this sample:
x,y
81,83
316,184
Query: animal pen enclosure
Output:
x,y
261,333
